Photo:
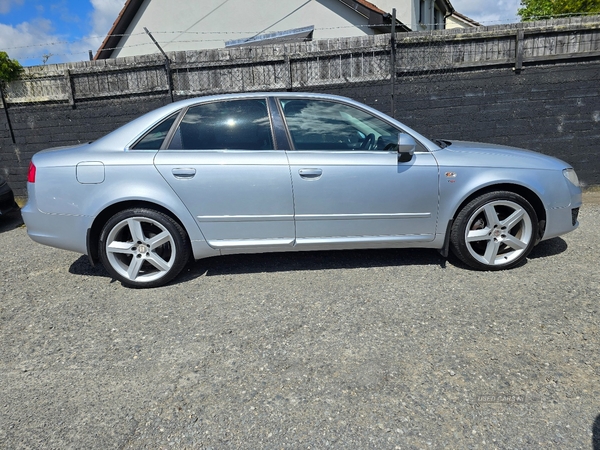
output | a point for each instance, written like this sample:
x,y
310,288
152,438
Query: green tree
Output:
x,y
543,9
10,69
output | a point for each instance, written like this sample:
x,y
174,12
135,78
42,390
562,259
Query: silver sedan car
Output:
x,y
280,172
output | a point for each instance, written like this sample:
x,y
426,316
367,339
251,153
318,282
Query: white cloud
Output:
x,y
6,5
104,14
28,42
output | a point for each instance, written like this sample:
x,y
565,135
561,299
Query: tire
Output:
x,y
143,248
494,231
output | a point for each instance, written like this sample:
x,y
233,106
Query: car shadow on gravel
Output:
x,y
314,260
340,259
82,266
285,262
551,247
10,221
596,433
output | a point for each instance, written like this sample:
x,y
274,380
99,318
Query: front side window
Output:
x,y
327,125
228,125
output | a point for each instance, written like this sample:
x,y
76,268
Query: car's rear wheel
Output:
x,y
495,231
143,248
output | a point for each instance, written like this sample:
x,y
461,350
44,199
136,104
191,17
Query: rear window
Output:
x,y
154,139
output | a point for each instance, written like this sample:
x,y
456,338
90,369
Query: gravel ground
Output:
x,y
362,349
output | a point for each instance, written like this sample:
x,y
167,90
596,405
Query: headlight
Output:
x,y
571,176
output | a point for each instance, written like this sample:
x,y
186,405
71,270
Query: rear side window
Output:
x,y
155,137
228,125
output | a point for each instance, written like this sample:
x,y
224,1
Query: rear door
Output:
x,y
223,164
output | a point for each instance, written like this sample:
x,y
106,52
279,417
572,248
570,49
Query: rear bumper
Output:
x,y
67,232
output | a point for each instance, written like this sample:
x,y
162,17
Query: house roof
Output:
x,y
466,19
449,5
370,6
378,19
118,29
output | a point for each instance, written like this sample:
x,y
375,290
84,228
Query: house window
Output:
x,y
422,12
440,20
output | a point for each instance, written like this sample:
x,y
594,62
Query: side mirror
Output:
x,y
406,147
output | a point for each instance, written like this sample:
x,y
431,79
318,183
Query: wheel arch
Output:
x,y
528,194
94,231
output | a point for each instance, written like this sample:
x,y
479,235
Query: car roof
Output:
x,y
249,95
124,136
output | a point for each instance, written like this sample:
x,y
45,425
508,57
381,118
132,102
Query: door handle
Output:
x,y
184,172
310,173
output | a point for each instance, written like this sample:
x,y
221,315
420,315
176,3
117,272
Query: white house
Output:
x,y
203,24
424,15
457,20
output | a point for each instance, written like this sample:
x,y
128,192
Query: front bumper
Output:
x,y
561,221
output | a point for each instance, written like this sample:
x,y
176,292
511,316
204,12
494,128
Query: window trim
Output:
x,y
173,130
279,127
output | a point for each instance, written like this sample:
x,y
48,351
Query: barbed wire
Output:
x,y
182,32
200,33
250,34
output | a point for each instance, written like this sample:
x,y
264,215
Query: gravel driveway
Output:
x,y
362,349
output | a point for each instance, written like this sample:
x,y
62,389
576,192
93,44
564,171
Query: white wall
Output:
x,y
456,22
174,23
405,10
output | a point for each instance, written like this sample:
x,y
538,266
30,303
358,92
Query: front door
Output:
x,y
349,188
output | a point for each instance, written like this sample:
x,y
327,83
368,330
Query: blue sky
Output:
x,y
54,31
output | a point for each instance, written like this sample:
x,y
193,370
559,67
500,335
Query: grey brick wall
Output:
x,y
552,109
40,126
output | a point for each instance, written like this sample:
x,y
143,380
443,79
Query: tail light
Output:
x,y
31,173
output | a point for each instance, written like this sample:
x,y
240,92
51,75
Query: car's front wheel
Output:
x,y
143,248
495,231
